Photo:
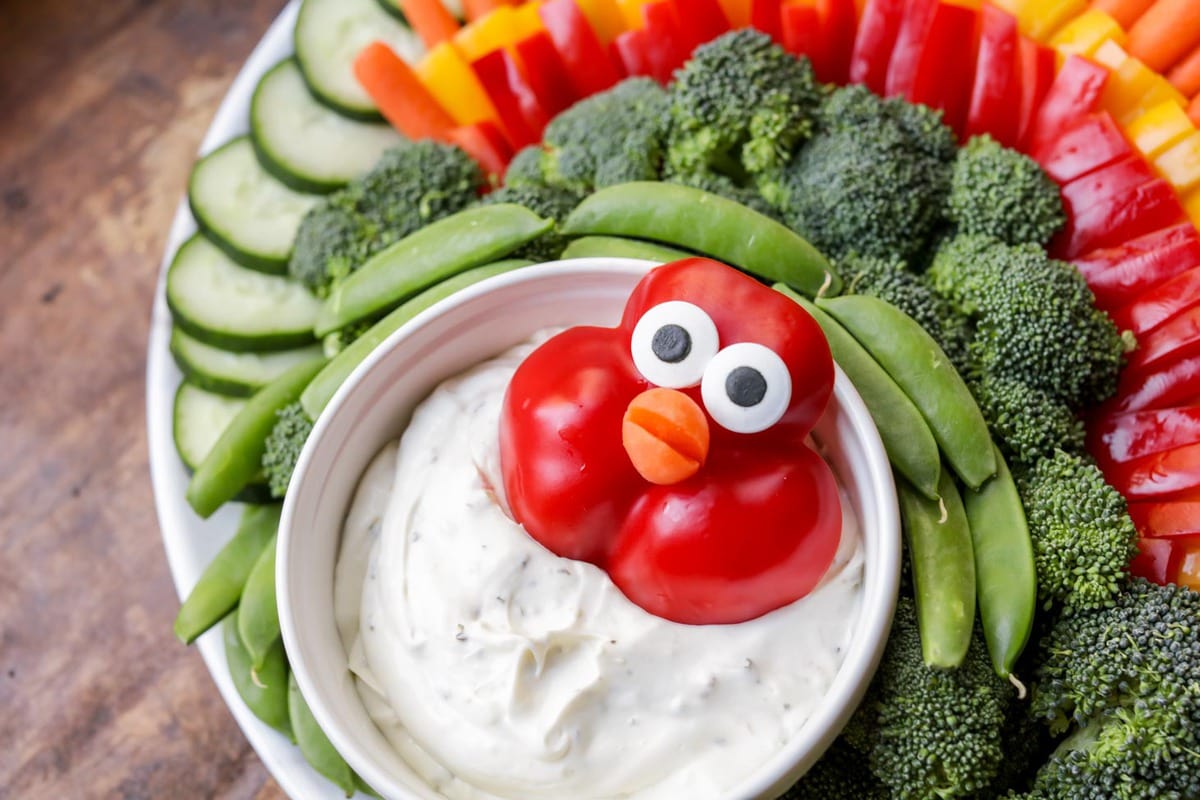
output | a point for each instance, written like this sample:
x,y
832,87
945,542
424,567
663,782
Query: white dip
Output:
x,y
499,670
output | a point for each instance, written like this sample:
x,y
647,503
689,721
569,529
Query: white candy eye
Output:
x,y
672,344
746,388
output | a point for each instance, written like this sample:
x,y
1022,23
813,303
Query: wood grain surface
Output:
x,y
102,107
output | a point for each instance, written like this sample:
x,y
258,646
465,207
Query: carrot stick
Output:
x,y
430,19
402,98
1167,32
475,9
1194,111
1125,12
1185,76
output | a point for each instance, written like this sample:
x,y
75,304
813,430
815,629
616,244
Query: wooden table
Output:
x,y
102,107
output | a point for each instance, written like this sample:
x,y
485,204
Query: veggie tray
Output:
x,y
1041,244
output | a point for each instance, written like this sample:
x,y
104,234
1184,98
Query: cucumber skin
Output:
x,y
256,492
390,7
203,379
360,113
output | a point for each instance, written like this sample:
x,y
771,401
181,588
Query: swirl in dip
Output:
x,y
500,670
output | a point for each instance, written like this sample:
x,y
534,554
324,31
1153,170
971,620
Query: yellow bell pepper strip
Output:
x,y
1168,31
402,98
1158,128
1083,35
604,17
631,14
1132,86
1180,164
737,12
1044,18
1191,205
488,34
450,79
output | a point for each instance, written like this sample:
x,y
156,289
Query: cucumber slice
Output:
x,y
393,8
305,144
228,306
331,33
229,373
246,211
200,417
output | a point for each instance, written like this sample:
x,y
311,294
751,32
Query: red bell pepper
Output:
x,y
1176,384
1159,475
1117,438
485,143
1166,519
1037,68
1162,303
520,114
1092,142
946,67
543,67
589,68
996,91
874,43
1075,92
1157,560
1176,339
700,21
765,15
803,35
910,43
631,50
668,48
839,21
1123,273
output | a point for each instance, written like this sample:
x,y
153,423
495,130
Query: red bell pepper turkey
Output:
x,y
996,91
522,118
1124,273
910,43
589,68
687,550
1160,304
874,43
1117,438
946,65
1075,92
1157,560
546,72
803,35
1091,142
1038,65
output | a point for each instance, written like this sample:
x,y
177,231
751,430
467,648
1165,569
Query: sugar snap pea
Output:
x,y
217,591
621,247
314,744
1005,576
452,244
920,367
708,224
906,437
262,689
258,615
236,458
939,544
322,387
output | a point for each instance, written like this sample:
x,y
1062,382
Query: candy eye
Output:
x,y
672,344
746,388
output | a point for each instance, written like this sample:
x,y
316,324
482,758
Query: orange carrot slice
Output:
x,y
1168,31
430,19
1125,12
402,98
1185,76
1194,111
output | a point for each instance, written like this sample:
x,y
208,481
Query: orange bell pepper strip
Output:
x,y
1168,31
450,79
1158,128
402,98
737,12
631,14
430,19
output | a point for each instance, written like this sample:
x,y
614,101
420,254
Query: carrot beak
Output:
x,y
666,435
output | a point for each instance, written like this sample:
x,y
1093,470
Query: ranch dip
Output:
x,y
500,670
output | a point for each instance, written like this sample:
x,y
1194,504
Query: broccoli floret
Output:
x,y
740,107
1035,319
1124,683
550,202
839,775
1027,423
616,136
873,178
930,733
1082,535
525,168
337,341
283,446
410,186
998,192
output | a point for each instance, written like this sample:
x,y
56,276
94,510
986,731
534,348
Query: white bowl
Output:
x,y
373,407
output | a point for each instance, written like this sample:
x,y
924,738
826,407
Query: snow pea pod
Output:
x,y
217,591
1005,576
258,615
709,224
452,244
906,437
621,247
919,366
314,744
321,389
943,565
236,459
263,689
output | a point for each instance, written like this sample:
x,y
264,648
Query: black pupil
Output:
x,y
745,386
671,343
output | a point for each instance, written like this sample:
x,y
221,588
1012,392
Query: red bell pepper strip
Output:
x,y
402,98
700,20
874,43
1075,92
588,65
1090,143
1171,341
1166,520
803,35
1125,272
946,67
996,91
1176,384
543,67
1159,475
839,21
1157,560
1037,68
485,143
520,115
1161,304
631,50
766,16
910,43
1117,438
667,46
430,19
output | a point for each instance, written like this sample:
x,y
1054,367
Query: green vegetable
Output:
x,y
920,367
437,251
550,202
620,247
411,186
217,591
282,448
258,614
314,744
525,169
999,192
1083,538
236,458
263,688
906,437
839,775
943,570
1005,579
872,180
708,224
1029,424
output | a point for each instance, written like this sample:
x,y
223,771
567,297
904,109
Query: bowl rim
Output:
x,y
873,623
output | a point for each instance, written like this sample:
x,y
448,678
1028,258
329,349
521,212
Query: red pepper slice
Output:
x,y
1157,560
588,65
910,43
1171,341
766,16
520,114
1090,143
485,143
803,35
1161,304
1176,384
1158,475
1166,520
631,50
700,21
667,47
839,22
996,90
1076,91
874,43
1123,273
1117,438
546,72
1038,64
946,67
